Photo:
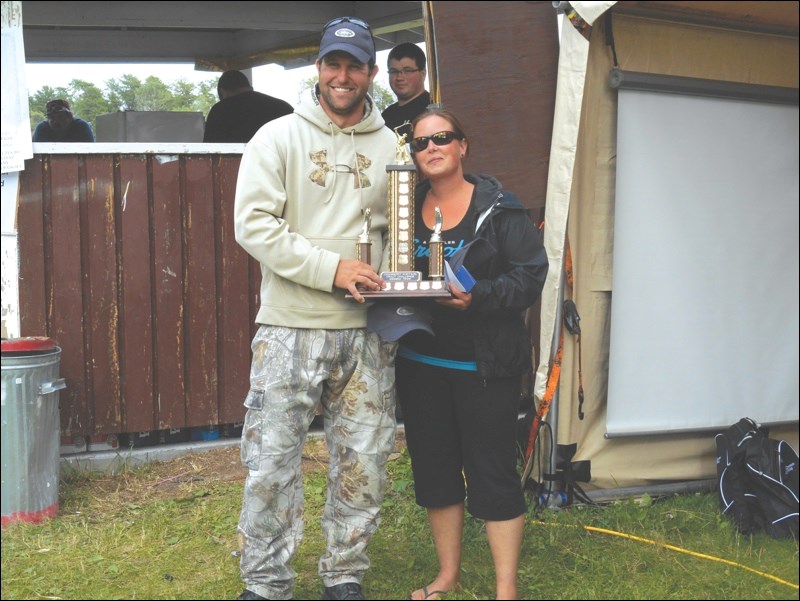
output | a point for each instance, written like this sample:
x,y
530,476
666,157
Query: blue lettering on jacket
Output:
x,y
421,248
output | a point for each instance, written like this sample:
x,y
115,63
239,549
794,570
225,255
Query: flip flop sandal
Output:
x,y
428,595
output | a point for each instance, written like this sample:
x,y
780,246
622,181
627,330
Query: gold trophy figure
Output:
x,y
401,153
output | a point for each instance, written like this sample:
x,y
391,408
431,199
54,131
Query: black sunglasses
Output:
x,y
352,20
442,138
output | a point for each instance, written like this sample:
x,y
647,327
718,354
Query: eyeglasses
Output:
x,y
442,138
352,20
407,71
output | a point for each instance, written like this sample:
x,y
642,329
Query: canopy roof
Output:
x,y
213,35
240,35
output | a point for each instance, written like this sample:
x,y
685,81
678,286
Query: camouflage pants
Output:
x,y
351,373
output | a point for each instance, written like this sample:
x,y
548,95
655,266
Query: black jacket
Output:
x,y
509,262
238,118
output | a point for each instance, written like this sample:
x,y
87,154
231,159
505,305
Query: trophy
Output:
x,y
436,247
401,279
364,245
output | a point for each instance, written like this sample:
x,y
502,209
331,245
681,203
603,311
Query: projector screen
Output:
x,y
704,317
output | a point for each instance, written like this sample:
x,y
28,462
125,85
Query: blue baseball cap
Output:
x,y
392,320
350,35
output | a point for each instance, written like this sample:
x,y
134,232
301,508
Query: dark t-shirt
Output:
x,y
78,131
238,118
454,338
395,115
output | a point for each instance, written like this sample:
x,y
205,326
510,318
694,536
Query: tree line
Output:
x,y
129,93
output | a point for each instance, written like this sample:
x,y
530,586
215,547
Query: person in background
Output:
x,y
406,65
460,388
310,184
241,111
61,125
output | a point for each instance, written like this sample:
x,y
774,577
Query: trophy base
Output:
x,y
371,294
409,289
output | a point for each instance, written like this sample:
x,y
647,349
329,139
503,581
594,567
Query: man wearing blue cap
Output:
x,y
305,183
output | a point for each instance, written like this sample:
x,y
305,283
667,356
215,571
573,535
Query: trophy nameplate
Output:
x,y
402,280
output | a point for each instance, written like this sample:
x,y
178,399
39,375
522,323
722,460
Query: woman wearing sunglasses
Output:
x,y
460,388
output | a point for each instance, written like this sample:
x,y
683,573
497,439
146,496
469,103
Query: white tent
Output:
x,y
746,363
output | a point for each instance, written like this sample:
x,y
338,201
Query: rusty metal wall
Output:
x,y
497,67
128,262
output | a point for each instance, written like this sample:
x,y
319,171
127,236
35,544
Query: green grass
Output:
x,y
122,537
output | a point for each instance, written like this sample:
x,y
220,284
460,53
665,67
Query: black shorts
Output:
x,y
461,435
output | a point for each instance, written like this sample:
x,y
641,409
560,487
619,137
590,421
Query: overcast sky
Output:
x,y
269,79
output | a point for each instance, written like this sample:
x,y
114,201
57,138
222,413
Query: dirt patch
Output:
x,y
183,475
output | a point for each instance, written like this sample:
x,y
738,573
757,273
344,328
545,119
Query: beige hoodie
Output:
x,y
303,185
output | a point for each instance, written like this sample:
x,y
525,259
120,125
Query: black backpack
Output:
x,y
758,480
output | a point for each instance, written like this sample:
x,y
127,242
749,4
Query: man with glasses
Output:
x,y
310,185
406,64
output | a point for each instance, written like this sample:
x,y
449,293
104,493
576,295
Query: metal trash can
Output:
x,y
30,429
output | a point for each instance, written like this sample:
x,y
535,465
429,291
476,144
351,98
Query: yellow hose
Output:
x,y
679,550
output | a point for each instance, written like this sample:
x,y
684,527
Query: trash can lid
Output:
x,y
29,344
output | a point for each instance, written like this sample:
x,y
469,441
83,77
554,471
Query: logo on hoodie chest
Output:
x,y
319,173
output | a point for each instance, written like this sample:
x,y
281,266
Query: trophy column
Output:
x,y
436,261
364,245
402,181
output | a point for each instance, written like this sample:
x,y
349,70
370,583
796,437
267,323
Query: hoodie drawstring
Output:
x,y
354,170
357,173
